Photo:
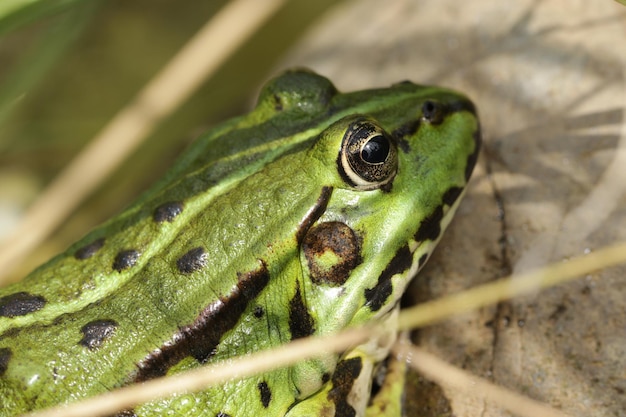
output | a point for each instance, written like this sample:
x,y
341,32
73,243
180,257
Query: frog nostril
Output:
x,y
433,112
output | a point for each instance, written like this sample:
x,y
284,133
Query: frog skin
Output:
x,y
309,215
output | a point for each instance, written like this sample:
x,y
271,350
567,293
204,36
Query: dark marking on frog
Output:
x,y
376,297
314,213
386,188
406,129
5,358
346,373
96,332
451,195
336,238
192,261
258,312
430,227
20,304
89,250
220,414
266,394
201,338
422,260
468,106
125,259
167,212
461,105
435,112
301,323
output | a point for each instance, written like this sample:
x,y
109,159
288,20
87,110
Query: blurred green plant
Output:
x,y
61,21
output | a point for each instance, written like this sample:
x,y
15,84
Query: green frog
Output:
x,y
309,215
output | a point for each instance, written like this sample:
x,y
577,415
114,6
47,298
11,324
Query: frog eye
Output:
x,y
368,157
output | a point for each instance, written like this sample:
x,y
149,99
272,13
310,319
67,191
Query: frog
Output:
x,y
309,215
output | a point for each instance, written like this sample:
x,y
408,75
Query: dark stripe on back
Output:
x,y
201,338
375,297
343,379
314,213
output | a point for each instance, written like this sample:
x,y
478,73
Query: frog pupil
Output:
x,y
375,151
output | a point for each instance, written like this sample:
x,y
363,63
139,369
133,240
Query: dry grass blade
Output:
x,y
171,87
